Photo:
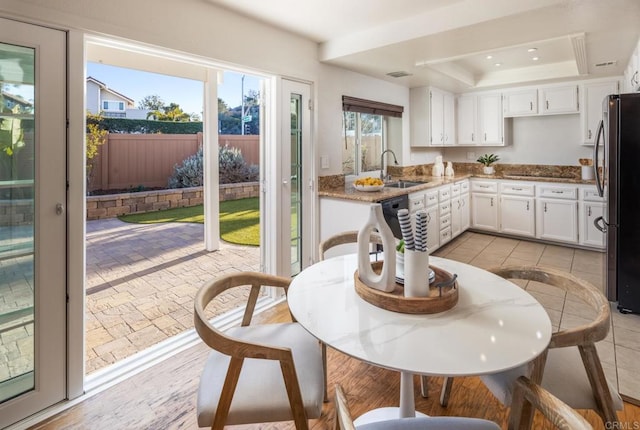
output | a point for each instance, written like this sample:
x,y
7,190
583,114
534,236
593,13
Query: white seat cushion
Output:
x,y
564,376
432,423
261,395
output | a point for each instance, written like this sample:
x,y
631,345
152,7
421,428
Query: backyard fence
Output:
x,y
129,161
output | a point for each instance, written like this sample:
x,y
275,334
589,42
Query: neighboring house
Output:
x,y
102,99
13,103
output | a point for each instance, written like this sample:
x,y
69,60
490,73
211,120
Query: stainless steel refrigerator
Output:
x,y
617,170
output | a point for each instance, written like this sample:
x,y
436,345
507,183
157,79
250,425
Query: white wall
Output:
x,y
333,83
553,139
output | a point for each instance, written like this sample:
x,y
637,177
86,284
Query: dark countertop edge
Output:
x,y
434,182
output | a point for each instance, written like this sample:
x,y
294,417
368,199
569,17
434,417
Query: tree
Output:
x,y
153,102
173,112
96,136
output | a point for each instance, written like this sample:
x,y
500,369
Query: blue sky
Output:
x,y
186,92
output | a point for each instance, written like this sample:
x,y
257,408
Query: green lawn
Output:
x,y
239,219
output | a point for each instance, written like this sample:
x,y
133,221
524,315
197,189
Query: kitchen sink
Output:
x,y
404,184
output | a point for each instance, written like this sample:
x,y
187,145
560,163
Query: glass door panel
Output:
x,y
16,220
32,221
296,174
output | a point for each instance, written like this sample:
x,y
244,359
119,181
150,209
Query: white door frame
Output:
x,y
276,202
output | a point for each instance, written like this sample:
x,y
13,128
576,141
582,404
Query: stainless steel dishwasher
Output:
x,y
390,208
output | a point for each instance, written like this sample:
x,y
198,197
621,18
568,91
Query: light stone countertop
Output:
x,y
350,193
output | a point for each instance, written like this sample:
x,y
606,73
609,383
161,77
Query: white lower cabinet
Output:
x,y
433,228
460,214
557,220
517,215
589,234
484,211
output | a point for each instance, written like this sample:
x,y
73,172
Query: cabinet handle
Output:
x,y
527,206
491,201
557,192
547,104
460,205
589,211
516,189
485,137
531,106
473,137
545,207
441,137
483,186
589,134
428,218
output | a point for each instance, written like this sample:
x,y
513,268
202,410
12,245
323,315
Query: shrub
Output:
x,y
232,167
189,173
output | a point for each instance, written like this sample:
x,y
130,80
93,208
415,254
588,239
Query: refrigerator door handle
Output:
x,y
595,158
602,227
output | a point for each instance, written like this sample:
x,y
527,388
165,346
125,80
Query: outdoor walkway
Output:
x,y
142,280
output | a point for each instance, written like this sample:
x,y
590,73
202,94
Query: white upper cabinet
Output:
x,y
594,94
467,120
480,119
432,117
521,102
559,99
490,119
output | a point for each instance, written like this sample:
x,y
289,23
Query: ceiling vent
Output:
x,y
400,74
606,64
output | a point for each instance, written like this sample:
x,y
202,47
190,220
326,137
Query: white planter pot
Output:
x,y
489,170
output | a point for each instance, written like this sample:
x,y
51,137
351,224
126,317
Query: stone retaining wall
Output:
x,y
113,205
16,212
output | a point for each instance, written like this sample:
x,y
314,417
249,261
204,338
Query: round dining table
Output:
x,y
495,326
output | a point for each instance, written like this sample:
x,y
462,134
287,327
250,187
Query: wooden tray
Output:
x,y
396,301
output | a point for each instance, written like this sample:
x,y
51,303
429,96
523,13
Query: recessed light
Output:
x,y
489,57
535,58
498,64
532,49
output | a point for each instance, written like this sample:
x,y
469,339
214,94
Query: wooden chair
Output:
x,y
331,242
256,373
570,368
526,393
343,239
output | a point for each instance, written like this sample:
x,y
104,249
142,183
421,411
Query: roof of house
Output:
x,y
104,87
16,98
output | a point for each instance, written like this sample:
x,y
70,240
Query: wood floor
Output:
x,y
163,397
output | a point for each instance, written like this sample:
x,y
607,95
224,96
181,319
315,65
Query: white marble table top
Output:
x,y
495,325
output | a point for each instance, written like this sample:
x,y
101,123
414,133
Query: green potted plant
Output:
x,y
487,160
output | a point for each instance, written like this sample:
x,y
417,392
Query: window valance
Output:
x,y
353,104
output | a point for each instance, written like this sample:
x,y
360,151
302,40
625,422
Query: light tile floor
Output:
x,y
619,352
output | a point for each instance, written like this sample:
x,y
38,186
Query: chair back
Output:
x,y
343,238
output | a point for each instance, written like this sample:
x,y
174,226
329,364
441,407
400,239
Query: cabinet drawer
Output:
x,y
484,187
416,203
455,190
432,198
591,195
464,187
444,193
444,208
517,189
558,192
445,221
445,235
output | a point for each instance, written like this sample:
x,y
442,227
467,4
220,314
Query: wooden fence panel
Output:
x,y
130,160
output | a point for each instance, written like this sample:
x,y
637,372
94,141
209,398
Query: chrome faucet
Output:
x,y
383,174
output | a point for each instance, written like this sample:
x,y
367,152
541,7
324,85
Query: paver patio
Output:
x,y
142,280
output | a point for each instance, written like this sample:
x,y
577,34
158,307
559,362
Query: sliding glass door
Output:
x,y
32,219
